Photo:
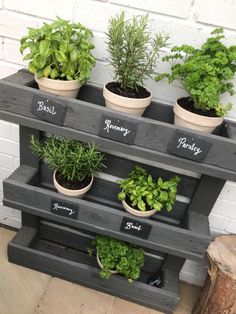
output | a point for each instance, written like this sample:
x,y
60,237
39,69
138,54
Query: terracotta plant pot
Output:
x,y
133,106
187,119
68,89
73,193
138,213
101,266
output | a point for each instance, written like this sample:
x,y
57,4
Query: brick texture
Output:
x,y
217,12
169,7
43,9
187,22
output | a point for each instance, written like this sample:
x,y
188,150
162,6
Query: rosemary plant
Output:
x,y
133,51
72,159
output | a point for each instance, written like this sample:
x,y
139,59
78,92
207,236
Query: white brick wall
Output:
x,y
187,21
180,9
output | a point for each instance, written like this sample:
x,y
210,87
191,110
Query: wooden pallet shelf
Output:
x,y
165,234
154,131
56,244
32,248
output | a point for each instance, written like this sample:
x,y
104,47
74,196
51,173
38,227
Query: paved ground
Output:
x,y
24,291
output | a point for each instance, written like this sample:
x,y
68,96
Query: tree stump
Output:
x,y
219,292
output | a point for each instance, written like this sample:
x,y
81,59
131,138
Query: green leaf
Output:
x,y
31,68
54,73
33,33
64,46
27,57
60,56
45,48
47,71
57,36
149,179
141,205
157,206
73,55
39,61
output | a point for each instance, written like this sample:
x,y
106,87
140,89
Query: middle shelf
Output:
x,y
30,190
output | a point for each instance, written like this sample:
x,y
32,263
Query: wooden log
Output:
x,y
219,291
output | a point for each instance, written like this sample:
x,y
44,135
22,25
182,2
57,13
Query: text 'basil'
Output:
x,y
135,227
48,110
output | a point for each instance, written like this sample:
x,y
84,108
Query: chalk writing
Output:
x,y
48,109
109,126
183,143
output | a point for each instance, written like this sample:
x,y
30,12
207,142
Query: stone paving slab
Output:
x,y
21,289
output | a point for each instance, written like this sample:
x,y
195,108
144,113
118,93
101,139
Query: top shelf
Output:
x,y
151,137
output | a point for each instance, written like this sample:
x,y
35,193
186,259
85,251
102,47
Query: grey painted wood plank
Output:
x,y
24,174
163,237
121,167
108,146
81,242
22,77
105,192
86,117
29,220
26,155
202,203
46,224
25,236
81,257
231,130
86,275
93,94
171,268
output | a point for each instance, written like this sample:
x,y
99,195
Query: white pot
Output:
x,y
138,213
187,119
134,106
101,266
58,87
73,193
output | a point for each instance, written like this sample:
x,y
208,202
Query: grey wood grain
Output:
x,y
83,122
202,202
167,238
87,275
80,241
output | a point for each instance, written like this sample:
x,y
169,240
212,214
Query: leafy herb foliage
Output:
x,y
60,50
146,193
133,52
72,159
118,255
204,72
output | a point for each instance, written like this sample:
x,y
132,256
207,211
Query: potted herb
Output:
x,y
143,196
60,56
74,163
117,256
133,56
205,73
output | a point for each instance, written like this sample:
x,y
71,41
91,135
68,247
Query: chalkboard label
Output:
x,y
156,280
64,209
120,130
135,227
189,146
48,110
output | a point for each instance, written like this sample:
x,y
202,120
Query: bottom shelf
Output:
x,y
39,249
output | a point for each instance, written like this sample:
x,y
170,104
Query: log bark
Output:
x,y
219,292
